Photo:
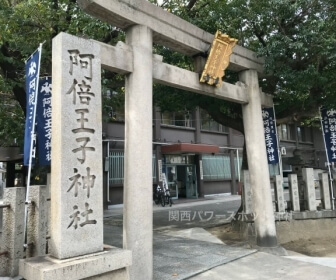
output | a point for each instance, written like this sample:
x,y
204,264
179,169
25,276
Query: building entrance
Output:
x,y
182,180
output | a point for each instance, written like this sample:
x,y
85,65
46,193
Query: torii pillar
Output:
x,y
138,190
257,161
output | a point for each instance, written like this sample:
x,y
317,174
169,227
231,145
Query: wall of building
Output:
x,y
213,138
114,130
116,195
217,187
172,134
306,153
177,134
237,139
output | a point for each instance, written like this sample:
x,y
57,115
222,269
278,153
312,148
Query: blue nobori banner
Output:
x,y
329,129
43,121
270,135
32,75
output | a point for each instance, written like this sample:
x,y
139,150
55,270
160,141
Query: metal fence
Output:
x,y
116,168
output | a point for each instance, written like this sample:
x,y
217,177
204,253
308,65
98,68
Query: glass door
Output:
x,y
172,181
191,182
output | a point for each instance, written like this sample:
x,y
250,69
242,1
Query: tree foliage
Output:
x,y
296,37
23,26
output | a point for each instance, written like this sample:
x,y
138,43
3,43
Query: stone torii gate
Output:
x,y
146,24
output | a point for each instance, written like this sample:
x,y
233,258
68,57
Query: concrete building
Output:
x,y
201,157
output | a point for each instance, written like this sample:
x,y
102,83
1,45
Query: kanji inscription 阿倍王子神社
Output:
x,y
81,94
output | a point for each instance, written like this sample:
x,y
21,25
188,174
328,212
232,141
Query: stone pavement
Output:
x,y
196,254
180,257
261,265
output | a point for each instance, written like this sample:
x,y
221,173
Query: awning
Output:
x,y
185,148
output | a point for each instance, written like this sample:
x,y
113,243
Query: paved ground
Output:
x,y
185,213
182,257
184,250
260,266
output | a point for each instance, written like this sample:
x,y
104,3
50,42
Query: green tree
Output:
x,y
296,37
23,26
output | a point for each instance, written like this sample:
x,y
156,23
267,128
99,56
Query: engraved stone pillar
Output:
x,y
138,205
37,222
13,232
247,193
257,162
294,192
76,229
325,193
279,194
76,173
309,194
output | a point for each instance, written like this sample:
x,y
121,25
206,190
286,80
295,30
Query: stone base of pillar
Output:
x,y
109,264
267,241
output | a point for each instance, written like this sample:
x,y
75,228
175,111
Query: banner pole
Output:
x,y
278,144
329,171
32,147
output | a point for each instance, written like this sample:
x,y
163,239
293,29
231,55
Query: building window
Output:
x,y
182,118
304,134
216,167
285,132
207,123
116,168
